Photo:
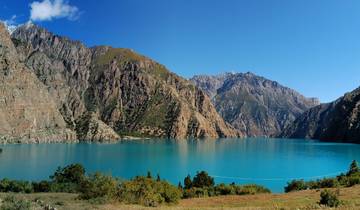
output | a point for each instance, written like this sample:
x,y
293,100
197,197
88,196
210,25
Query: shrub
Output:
x,y
329,198
12,203
353,180
223,189
354,168
148,192
99,186
202,179
67,179
296,185
196,192
7,185
42,186
327,183
74,173
251,189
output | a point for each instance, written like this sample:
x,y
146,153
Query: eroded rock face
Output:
x,y
116,89
27,111
254,105
336,121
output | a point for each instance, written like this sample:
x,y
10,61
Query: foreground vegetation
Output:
x,y
71,188
306,199
144,190
351,178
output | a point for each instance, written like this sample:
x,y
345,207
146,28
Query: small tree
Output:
x,y
158,179
295,185
202,179
180,186
74,173
187,182
329,198
149,175
354,168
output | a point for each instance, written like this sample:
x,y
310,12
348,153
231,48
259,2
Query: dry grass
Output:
x,y
295,200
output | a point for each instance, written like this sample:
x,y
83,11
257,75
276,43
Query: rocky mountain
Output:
x,y
27,111
109,93
254,105
336,121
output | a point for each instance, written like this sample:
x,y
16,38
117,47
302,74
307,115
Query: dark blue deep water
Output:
x,y
268,162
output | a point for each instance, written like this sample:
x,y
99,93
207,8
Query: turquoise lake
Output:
x,y
268,162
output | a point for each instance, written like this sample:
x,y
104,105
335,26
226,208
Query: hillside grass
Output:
x,y
307,199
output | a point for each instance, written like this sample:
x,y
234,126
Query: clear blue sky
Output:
x,y
310,45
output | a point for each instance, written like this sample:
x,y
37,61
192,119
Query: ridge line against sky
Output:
x,y
309,46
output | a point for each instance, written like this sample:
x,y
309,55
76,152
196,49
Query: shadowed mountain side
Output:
x,y
336,121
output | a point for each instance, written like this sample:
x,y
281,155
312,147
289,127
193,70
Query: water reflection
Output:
x,y
232,160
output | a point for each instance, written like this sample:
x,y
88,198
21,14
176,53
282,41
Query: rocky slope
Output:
x,y
336,121
105,93
254,105
27,111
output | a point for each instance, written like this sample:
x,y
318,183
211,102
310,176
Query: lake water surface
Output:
x,y
268,162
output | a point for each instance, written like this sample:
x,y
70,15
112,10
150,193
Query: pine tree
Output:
x,y
187,182
354,168
202,179
149,175
180,185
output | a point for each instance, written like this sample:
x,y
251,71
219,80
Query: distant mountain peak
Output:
x,y
253,104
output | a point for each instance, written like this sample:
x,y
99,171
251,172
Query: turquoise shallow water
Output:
x,y
268,162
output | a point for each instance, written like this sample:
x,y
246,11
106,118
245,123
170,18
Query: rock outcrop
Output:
x,y
254,105
336,121
27,111
107,93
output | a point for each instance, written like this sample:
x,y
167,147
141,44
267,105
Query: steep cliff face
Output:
x,y
120,89
254,105
336,121
27,111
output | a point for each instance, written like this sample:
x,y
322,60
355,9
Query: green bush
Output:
x,y
296,185
196,192
7,185
100,187
251,189
327,183
223,189
148,192
42,186
12,203
67,179
329,198
353,180
74,173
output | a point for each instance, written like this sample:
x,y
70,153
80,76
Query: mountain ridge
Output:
x,y
253,104
337,121
27,112
104,92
